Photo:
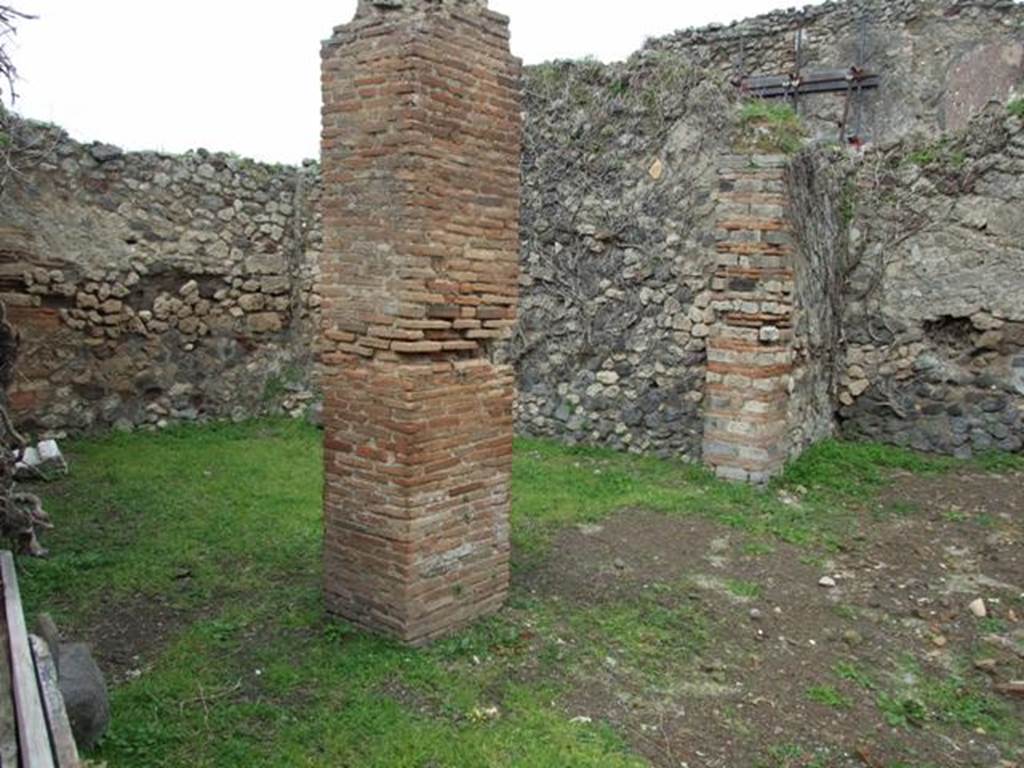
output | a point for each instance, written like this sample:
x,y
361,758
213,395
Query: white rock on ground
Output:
x,y
43,459
978,608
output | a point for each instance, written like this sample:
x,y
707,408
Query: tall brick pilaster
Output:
x,y
421,149
750,349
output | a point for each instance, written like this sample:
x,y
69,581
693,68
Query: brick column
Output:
x,y
421,149
750,349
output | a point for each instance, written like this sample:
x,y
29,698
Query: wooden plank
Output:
x,y
8,723
33,735
56,716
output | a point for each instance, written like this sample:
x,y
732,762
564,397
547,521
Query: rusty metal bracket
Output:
x,y
820,81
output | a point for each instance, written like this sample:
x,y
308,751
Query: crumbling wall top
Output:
x,y
367,7
838,14
373,13
371,9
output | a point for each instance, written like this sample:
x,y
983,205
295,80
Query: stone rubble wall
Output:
x,y
940,60
619,200
151,288
817,183
934,313
619,172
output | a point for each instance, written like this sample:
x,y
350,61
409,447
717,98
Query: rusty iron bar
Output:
x,y
822,81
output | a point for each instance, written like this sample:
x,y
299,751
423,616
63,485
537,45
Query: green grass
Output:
x,y
849,671
744,589
956,516
650,635
848,469
922,700
848,203
992,626
995,461
796,756
221,525
942,152
1016,108
924,156
556,486
216,533
771,127
828,696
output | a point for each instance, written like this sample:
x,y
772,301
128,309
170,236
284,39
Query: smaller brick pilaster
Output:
x,y
750,349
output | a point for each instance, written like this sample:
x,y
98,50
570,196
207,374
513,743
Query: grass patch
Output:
x,y
796,756
848,469
744,589
992,626
995,461
849,671
897,509
828,696
955,700
956,516
846,612
219,527
848,203
651,634
771,127
943,152
1016,108
554,486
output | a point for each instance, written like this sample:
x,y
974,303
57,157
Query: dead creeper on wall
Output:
x,y
21,514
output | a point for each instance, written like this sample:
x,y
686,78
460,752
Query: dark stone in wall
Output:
x,y
940,60
936,265
153,289
619,169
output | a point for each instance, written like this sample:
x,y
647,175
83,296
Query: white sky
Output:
x,y
243,75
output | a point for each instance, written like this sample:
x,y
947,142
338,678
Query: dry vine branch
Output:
x,y
8,351
20,513
18,148
9,18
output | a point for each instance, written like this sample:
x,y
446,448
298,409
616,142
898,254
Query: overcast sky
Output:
x,y
243,75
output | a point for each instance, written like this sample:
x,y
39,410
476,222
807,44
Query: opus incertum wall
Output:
x,y
421,148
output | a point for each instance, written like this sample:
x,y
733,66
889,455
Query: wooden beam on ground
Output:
x,y
33,734
56,715
8,720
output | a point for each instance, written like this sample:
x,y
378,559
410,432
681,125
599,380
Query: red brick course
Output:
x,y
421,146
416,496
750,349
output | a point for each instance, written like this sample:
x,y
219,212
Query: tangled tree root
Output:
x,y
21,514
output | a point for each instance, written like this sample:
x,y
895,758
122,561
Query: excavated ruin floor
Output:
x,y
888,667
657,616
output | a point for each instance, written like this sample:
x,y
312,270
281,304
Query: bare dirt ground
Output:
x,y
883,664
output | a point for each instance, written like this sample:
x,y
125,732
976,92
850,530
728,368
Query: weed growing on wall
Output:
x,y
945,152
1016,108
771,127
